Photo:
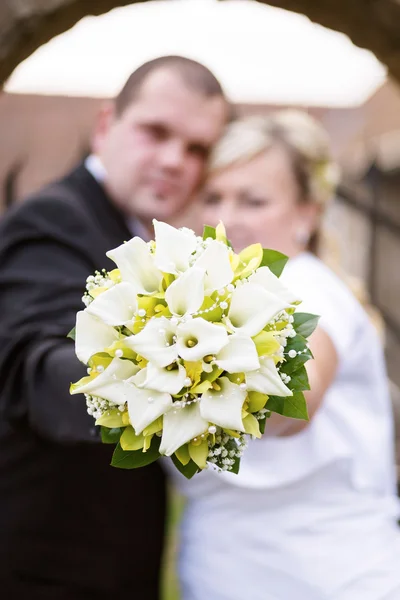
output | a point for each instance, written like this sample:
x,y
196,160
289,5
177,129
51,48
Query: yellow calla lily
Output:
x,y
198,453
130,441
220,232
182,454
266,343
251,426
256,401
112,418
249,260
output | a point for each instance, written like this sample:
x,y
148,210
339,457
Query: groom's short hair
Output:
x,y
195,75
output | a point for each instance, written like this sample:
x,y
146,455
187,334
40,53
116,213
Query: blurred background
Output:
x,y
58,62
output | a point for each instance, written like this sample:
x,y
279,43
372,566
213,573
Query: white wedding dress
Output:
x,y
312,516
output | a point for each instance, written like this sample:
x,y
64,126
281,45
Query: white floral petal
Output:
x,y
239,355
252,307
92,336
224,407
173,247
208,339
155,342
111,384
270,282
145,406
267,380
181,426
161,380
215,261
185,295
115,306
137,266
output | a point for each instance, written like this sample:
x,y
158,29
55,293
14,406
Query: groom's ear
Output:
x,y
104,121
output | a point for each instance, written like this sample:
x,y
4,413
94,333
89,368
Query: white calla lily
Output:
x,y
145,406
174,247
185,295
161,380
224,407
270,282
180,426
115,306
92,336
252,307
216,263
197,338
137,266
267,380
111,383
155,342
239,355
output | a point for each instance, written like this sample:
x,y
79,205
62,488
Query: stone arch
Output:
x,y
27,24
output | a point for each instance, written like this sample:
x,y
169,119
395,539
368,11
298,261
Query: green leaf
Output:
x,y
71,334
111,436
209,232
294,364
187,470
305,323
298,343
299,380
292,406
236,466
275,260
136,458
262,422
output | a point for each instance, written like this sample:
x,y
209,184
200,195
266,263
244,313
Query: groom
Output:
x,y
71,526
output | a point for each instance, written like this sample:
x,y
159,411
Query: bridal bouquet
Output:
x,y
189,349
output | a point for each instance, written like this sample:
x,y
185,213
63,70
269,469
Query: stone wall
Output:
x,y
27,24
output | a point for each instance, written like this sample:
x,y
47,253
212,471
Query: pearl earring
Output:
x,y
302,237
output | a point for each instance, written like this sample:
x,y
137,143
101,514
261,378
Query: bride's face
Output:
x,y
259,202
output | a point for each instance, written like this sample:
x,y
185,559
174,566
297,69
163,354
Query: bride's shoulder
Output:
x,y
308,272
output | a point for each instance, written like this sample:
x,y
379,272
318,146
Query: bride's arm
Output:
x,y
321,373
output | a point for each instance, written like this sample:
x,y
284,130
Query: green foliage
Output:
x,y
111,436
187,470
133,459
305,323
292,406
275,260
209,232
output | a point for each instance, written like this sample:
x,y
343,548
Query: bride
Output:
x,y
312,514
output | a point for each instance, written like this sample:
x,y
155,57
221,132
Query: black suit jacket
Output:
x,y
71,526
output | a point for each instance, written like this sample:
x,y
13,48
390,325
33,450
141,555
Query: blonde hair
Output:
x,y
305,140
308,147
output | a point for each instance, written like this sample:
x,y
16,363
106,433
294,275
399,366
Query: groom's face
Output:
x,y
156,151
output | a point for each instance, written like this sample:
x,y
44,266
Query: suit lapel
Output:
x,y
106,217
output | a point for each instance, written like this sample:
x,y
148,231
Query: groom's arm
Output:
x,y
41,284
